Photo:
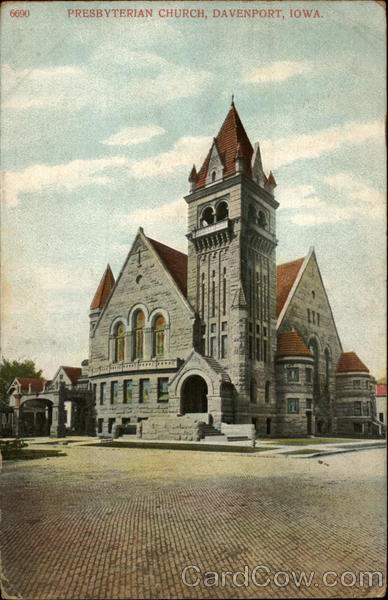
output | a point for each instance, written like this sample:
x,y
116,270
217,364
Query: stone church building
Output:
x,y
186,345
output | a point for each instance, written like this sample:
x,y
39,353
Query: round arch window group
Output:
x,y
214,214
158,332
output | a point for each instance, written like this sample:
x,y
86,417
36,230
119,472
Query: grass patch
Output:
x,y
29,454
311,441
188,446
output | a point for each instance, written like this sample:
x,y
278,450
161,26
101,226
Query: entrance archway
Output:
x,y
194,395
35,417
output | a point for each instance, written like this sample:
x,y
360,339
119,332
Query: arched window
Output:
x,y
207,216
159,335
139,332
213,176
222,211
119,343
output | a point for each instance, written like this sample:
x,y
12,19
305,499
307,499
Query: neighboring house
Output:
x,y
221,335
53,407
381,405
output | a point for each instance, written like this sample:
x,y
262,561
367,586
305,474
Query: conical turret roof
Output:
x,y
104,288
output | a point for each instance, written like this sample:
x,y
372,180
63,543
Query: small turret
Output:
x,y
193,178
101,296
270,183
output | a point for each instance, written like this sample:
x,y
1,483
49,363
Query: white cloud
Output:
x,y
284,151
278,71
301,196
184,152
353,199
131,136
135,60
167,223
43,88
144,78
76,173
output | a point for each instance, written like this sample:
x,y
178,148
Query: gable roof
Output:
x,y
350,363
104,288
231,138
174,261
73,373
36,383
290,344
285,277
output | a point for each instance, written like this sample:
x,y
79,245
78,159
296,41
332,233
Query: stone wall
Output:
x,y
232,430
186,428
354,389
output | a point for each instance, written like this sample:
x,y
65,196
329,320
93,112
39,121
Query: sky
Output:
x,y
103,117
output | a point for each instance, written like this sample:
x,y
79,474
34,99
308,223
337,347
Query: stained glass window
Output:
x,y
139,330
128,391
144,390
163,389
120,343
160,325
114,392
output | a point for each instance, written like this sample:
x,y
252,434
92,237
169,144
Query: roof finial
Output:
x,y
232,103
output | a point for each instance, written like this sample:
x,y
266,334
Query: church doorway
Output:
x,y
194,395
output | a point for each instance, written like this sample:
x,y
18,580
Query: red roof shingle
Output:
x,y
174,261
381,389
349,363
290,344
231,138
36,383
73,373
104,288
285,277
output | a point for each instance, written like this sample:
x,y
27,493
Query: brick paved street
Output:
x,y
124,522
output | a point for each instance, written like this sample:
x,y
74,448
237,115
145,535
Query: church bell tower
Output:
x,y
232,263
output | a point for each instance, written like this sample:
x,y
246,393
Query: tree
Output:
x,y
11,369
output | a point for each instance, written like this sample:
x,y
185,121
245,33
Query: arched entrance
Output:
x,y
35,417
194,395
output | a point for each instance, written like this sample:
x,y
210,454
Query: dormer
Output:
x,y
215,169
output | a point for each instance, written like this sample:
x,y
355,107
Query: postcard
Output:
x,y
193,305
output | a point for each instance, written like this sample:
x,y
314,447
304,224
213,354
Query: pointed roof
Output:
x,y
291,344
73,373
350,363
271,180
174,261
285,278
193,174
231,135
36,383
104,289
